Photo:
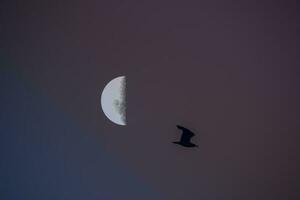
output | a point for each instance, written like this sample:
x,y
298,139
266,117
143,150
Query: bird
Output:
x,y
186,136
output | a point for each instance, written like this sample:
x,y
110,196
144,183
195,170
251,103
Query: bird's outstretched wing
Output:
x,y
186,134
185,137
181,127
185,130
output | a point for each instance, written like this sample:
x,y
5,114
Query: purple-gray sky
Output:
x,y
229,71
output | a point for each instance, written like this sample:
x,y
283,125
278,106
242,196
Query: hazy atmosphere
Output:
x,y
228,71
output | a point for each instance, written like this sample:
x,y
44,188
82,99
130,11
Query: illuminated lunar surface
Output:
x,y
113,100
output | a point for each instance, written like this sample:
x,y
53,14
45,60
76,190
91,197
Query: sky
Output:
x,y
226,70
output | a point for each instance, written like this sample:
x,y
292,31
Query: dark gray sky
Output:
x,y
226,70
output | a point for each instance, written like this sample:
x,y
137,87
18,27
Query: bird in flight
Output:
x,y
186,136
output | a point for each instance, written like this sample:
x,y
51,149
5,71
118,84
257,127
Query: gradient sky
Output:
x,y
229,71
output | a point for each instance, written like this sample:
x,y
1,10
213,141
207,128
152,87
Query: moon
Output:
x,y
113,100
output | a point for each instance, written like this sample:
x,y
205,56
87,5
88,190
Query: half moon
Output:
x,y
113,100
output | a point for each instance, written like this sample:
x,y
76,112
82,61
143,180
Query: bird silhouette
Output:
x,y
186,136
